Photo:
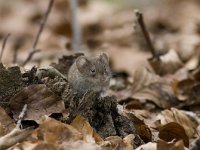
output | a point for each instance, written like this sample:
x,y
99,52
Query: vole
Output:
x,y
89,74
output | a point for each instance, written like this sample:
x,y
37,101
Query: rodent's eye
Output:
x,y
93,71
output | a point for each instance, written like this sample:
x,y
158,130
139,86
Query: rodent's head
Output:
x,y
96,69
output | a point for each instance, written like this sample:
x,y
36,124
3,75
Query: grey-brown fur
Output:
x,y
89,74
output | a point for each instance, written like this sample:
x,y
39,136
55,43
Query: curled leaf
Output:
x,y
180,117
163,145
142,129
173,131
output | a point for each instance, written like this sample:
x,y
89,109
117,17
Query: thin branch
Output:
x,y
16,135
30,56
21,116
76,30
140,20
42,24
4,45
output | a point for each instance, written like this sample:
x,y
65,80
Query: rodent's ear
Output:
x,y
104,57
81,62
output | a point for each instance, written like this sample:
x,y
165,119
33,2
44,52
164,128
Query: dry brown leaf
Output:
x,y
131,104
83,126
142,129
144,77
47,146
173,131
179,116
116,142
26,144
128,140
180,88
6,123
147,146
148,86
163,145
53,131
66,145
40,100
15,136
168,63
36,146
78,145
192,63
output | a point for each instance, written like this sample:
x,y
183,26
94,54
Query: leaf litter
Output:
x,y
153,100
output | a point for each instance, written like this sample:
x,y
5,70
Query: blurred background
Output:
x,y
105,26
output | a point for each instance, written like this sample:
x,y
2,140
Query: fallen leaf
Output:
x,y
147,146
163,145
180,117
83,126
142,129
116,142
15,136
173,131
6,123
53,131
40,100
150,87
78,145
168,63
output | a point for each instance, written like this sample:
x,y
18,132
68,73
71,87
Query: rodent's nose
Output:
x,y
105,80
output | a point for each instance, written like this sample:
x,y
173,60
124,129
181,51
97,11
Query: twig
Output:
x,y
21,116
30,56
76,31
42,24
4,45
140,20
17,134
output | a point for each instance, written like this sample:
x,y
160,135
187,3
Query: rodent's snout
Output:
x,y
105,80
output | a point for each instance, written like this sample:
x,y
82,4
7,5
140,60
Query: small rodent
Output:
x,y
89,74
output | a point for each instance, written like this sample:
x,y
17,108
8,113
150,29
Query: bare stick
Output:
x,y
21,116
30,56
140,20
76,31
15,136
4,45
42,24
